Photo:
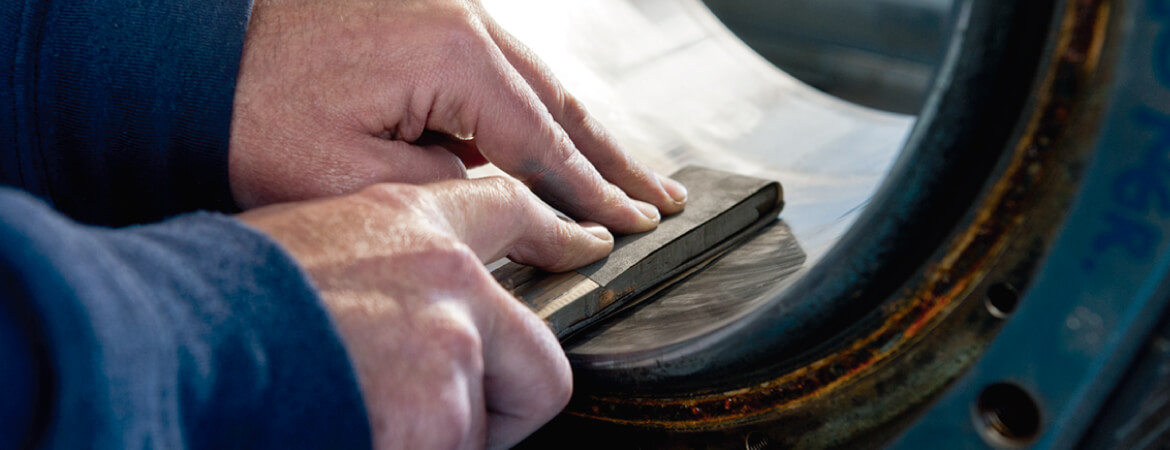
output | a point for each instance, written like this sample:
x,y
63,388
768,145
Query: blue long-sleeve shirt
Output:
x,y
191,332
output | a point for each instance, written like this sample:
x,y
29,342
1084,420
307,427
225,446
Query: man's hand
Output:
x,y
446,357
337,95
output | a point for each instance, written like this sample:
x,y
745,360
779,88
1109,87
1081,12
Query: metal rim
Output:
x,y
937,319
957,143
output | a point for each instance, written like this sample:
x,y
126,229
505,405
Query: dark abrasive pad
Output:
x,y
711,215
722,211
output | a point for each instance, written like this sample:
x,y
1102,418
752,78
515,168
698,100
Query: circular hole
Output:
x,y
1007,415
755,441
1002,299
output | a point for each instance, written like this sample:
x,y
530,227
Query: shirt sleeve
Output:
x,y
197,332
120,110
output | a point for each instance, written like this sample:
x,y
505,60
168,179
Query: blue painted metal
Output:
x,y
1104,285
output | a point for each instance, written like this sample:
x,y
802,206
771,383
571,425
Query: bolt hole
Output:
x,y
1001,300
756,441
1007,415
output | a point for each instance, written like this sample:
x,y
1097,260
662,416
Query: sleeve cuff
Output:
x,y
195,332
133,105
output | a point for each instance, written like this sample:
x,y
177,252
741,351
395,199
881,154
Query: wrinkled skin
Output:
x,y
336,95
446,357
348,114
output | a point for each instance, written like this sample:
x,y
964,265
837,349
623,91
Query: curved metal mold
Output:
x,y
886,315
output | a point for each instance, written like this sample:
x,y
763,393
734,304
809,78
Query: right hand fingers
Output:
x,y
485,97
445,355
526,377
505,374
591,139
499,217
490,217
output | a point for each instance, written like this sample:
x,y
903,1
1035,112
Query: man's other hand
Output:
x,y
446,357
337,95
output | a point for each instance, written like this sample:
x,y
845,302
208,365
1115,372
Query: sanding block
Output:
x,y
723,210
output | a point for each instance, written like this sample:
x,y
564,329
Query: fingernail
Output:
x,y
597,230
648,210
677,191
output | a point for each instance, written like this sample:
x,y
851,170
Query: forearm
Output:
x,y
119,110
196,332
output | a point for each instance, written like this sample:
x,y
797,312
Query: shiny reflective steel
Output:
x,y
890,307
877,53
676,88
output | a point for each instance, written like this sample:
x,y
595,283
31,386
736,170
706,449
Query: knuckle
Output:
x,y
457,46
561,238
460,423
395,195
545,251
461,340
454,412
636,180
462,36
556,157
573,111
553,394
460,43
561,388
513,192
449,15
610,204
509,185
449,256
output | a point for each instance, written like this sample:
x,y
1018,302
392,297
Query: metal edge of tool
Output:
x,y
572,301
767,202
765,217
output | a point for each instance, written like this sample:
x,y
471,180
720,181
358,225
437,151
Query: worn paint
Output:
x,y
945,294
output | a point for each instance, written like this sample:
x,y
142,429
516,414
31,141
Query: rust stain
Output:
x,y
1002,210
607,298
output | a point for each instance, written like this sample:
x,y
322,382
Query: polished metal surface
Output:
x,y
990,292
878,53
676,88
